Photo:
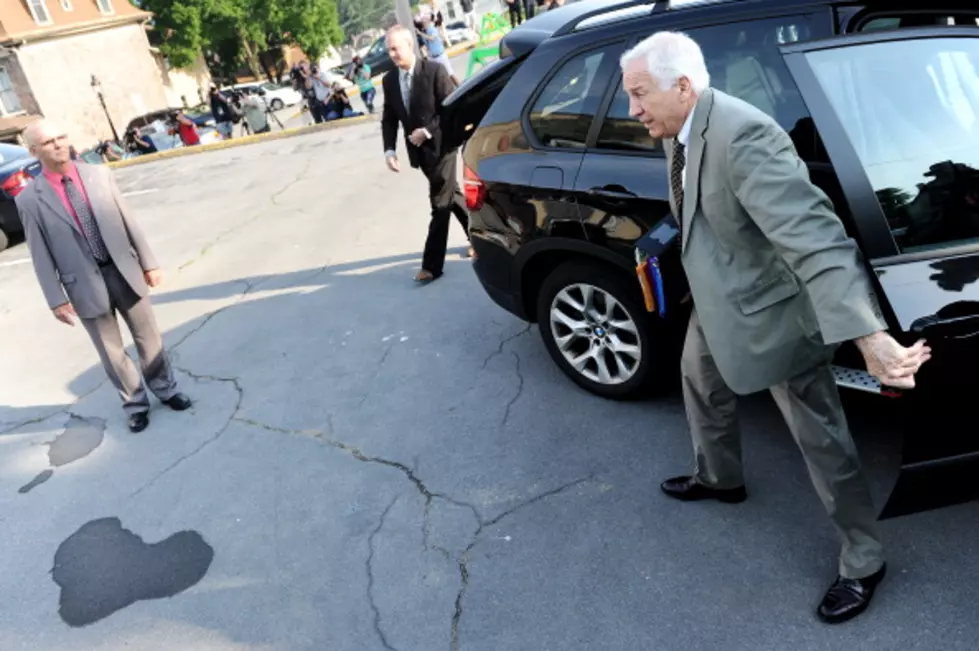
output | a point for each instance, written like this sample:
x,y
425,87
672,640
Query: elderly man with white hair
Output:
x,y
777,285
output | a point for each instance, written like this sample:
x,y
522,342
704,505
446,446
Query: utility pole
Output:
x,y
402,9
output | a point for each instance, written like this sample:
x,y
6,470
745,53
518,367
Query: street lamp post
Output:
x,y
97,86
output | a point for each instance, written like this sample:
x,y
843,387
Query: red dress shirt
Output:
x,y
59,187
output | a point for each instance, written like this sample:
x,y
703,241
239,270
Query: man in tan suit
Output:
x,y
92,261
777,285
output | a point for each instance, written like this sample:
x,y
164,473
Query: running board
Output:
x,y
852,378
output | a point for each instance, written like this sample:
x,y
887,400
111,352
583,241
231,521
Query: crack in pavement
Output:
x,y
429,496
516,396
63,410
238,299
212,378
259,215
499,350
377,372
463,560
370,577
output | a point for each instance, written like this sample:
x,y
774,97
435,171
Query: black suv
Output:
x,y
882,103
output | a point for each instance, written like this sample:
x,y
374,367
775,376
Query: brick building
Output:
x,y
52,50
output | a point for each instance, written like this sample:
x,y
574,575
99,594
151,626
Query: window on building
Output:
x,y
39,10
564,110
66,5
924,170
9,103
105,6
744,61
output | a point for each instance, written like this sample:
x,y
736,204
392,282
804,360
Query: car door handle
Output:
x,y
955,327
607,192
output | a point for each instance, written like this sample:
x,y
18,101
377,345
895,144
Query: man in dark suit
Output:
x,y
413,95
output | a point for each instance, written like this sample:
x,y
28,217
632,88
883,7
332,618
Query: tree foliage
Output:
x,y
241,30
357,16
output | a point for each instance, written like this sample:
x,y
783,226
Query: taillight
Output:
x,y
15,183
475,189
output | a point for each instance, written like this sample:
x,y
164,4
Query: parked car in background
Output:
x,y
201,115
376,57
17,168
277,96
882,104
458,32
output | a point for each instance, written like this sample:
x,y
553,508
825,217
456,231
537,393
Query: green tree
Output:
x,y
240,31
357,16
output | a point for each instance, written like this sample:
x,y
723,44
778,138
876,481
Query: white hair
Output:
x,y
669,56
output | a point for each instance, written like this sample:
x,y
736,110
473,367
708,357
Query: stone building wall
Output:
x,y
60,71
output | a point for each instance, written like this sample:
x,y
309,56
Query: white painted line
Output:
x,y
11,263
138,192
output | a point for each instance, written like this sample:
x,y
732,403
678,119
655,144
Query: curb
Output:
x,y
240,142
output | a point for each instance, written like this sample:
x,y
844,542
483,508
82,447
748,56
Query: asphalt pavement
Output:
x,y
371,464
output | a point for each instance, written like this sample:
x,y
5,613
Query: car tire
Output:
x,y
277,104
4,240
630,325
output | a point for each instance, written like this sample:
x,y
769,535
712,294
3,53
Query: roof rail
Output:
x,y
605,8
605,12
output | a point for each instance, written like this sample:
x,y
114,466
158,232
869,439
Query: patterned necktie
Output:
x,y
87,220
406,88
676,178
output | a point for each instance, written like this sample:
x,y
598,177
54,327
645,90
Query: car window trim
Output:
x,y
866,213
860,20
556,67
938,252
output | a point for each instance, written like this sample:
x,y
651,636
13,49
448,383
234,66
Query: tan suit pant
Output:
x,y
810,404
105,334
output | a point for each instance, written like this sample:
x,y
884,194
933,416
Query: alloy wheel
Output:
x,y
595,334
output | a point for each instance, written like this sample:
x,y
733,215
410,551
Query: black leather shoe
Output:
x,y
689,489
847,598
138,422
179,402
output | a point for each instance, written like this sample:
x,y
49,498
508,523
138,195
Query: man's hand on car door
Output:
x,y
890,362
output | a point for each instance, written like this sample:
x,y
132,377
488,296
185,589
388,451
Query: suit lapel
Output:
x,y
695,156
93,189
47,197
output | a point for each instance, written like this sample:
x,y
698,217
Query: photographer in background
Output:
x,y
137,144
223,113
360,74
338,104
255,110
185,128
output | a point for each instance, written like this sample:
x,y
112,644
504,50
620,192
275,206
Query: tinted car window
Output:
x,y
911,111
743,61
917,18
565,108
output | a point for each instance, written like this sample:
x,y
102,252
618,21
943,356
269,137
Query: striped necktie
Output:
x,y
676,178
406,88
90,227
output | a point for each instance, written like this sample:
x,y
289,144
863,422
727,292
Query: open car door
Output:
x,y
898,113
462,111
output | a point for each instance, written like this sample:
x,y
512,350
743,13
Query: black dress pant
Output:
x,y
515,14
446,200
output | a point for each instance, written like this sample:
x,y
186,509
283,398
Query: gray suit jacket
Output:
x,y
776,282
62,259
